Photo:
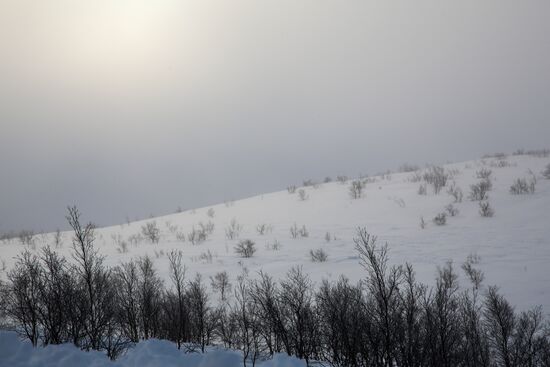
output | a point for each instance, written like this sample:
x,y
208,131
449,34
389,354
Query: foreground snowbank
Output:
x,y
150,353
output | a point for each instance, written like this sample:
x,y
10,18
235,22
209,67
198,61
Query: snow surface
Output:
x,y
514,245
150,353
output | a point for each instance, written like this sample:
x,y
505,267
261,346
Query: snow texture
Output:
x,y
514,244
151,353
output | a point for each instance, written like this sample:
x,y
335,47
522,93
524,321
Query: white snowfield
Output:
x,y
514,244
148,353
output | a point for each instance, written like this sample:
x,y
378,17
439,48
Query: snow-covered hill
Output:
x,y
514,244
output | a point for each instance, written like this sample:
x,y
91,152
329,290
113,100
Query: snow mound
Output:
x,y
151,353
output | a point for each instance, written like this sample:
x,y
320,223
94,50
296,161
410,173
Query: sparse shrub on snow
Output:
x,y
245,248
291,189
206,257
151,231
318,255
405,167
451,210
122,247
479,191
233,230
484,173
197,236
342,179
455,192
58,239
415,177
263,229
302,195
422,223
296,231
522,186
207,228
327,179
437,177
135,238
26,237
273,246
485,209
356,189
327,237
440,219
546,172
422,189
211,212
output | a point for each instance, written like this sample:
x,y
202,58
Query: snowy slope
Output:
x,y
514,245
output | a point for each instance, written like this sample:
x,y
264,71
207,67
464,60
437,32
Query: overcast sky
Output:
x,y
135,107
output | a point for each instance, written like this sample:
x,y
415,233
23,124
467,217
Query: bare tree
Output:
x,y
177,275
233,230
478,192
95,280
440,219
151,231
220,283
245,248
356,189
318,255
383,284
485,209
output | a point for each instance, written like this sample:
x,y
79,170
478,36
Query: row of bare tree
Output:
x,y
389,319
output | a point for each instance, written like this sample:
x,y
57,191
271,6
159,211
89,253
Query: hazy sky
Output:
x,y
132,107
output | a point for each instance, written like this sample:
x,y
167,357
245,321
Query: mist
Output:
x,y
131,109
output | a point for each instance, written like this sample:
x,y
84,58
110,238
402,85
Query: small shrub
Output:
x,y
327,179
151,231
296,232
522,186
234,230
58,239
356,189
302,195
415,177
546,172
26,237
479,191
122,247
206,257
456,193
440,219
422,223
327,237
422,189
342,179
484,173
291,189
273,246
451,210
436,177
485,209
245,248
211,212
263,229
207,228
197,236
405,167
318,255
180,236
